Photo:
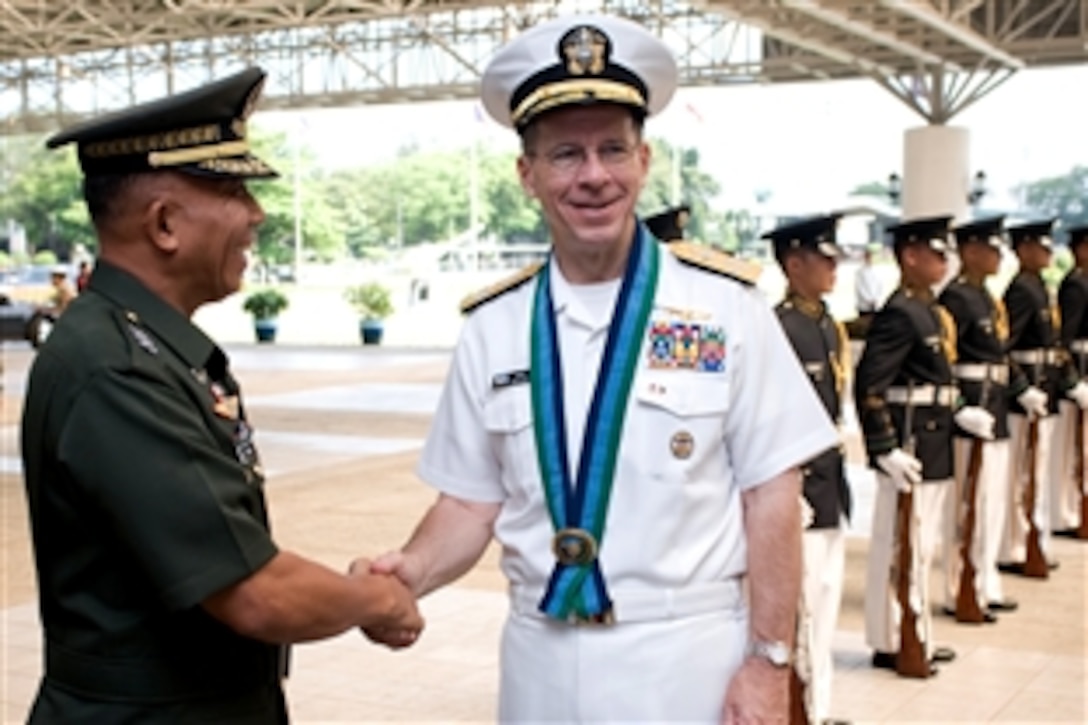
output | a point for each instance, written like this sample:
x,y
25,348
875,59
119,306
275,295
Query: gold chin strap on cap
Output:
x,y
564,92
177,157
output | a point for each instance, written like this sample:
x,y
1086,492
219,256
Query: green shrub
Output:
x,y
371,300
264,304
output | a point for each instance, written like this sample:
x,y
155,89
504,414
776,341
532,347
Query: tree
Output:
x,y
43,192
697,187
878,189
1064,197
321,226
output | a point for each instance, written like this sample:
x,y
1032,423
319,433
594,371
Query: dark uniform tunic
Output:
x,y
908,346
145,497
820,344
1073,303
982,330
1032,331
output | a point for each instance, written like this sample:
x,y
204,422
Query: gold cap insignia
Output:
x,y
585,50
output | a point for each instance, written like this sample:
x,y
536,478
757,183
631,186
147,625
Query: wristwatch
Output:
x,y
777,653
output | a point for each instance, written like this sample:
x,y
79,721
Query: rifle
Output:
x,y
1078,465
1035,566
1078,473
967,606
910,660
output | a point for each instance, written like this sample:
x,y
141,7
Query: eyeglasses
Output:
x,y
568,158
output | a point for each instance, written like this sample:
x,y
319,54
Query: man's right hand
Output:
x,y
1034,402
402,623
902,468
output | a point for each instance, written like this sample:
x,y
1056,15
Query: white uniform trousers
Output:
x,y
991,506
824,552
667,670
1065,491
1014,542
881,604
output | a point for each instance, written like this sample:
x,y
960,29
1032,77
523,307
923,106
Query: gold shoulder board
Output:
x,y
477,298
715,261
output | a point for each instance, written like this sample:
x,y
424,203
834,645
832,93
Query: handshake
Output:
x,y
393,581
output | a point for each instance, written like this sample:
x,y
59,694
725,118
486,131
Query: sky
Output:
x,y
809,144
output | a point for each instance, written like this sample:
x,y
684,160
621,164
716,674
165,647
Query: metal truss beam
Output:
x,y
63,60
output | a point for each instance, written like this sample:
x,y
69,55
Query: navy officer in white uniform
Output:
x,y
626,420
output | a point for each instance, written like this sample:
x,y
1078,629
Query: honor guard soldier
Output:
x,y
163,597
1069,510
626,420
905,398
975,517
808,253
669,225
1034,394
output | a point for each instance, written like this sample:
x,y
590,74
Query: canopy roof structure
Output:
x,y
61,60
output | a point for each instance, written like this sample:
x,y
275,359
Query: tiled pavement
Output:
x,y
339,430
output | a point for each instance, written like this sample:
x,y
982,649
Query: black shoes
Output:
x,y
886,660
942,654
1005,605
1018,567
988,617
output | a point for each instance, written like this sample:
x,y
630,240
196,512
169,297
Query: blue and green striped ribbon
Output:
x,y
579,590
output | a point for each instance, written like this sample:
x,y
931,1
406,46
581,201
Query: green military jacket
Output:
x,y
146,496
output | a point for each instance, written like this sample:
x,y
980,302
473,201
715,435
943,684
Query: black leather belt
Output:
x,y
154,679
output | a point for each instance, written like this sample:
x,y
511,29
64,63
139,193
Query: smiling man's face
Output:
x,y
586,165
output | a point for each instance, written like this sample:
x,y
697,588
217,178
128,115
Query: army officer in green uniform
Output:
x,y
163,597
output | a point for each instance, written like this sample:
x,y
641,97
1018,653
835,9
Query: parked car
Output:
x,y
22,321
28,284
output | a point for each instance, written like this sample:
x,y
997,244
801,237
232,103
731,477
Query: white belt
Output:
x,y
924,395
977,372
1079,346
647,605
1038,356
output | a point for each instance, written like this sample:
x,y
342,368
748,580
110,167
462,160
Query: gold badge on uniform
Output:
x,y
681,445
225,406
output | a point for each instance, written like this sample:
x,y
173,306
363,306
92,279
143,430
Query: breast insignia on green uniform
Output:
x,y
523,275
713,260
139,334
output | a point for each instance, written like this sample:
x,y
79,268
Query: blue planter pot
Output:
x,y
265,330
371,331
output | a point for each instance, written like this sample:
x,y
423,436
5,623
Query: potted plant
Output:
x,y
374,303
265,305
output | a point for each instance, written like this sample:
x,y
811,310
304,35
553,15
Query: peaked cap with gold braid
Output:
x,y
201,131
578,60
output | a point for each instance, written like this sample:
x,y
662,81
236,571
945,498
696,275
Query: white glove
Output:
x,y
1034,402
977,421
1079,394
808,516
903,468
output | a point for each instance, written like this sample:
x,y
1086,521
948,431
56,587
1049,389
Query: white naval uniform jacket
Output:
x,y
673,521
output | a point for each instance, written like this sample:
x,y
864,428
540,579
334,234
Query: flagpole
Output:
x,y
474,199
675,174
297,198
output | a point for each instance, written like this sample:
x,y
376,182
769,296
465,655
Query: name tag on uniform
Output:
x,y
513,377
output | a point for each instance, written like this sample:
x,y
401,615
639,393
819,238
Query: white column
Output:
x,y
936,173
